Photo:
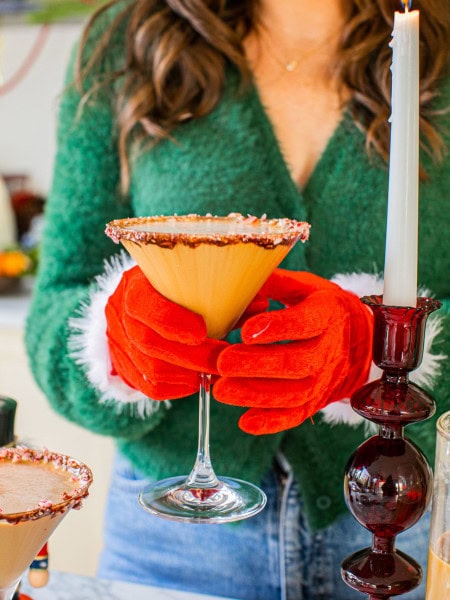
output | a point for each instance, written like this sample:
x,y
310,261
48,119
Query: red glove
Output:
x,y
157,346
326,355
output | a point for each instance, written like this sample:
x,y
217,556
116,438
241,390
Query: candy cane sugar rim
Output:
x,y
80,474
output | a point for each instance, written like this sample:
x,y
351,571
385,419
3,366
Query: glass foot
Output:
x,y
229,500
381,574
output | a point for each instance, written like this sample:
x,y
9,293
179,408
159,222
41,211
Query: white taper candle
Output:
x,y
400,269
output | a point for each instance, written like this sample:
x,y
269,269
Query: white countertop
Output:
x,y
64,586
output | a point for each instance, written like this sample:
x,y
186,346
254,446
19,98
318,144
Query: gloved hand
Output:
x,y
157,346
326,354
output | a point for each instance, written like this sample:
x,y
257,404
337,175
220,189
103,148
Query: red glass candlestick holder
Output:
x,y
388,481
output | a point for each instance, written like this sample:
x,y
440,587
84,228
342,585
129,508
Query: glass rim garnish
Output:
x,y
271,232
70,500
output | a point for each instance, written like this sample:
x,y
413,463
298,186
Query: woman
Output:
x,y
195,106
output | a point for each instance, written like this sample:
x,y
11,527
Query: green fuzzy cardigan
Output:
x,y
227,161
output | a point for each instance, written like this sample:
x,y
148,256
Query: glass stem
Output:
x,y
202,475
8,594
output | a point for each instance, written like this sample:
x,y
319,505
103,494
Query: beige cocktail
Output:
x,y
213,266
37,489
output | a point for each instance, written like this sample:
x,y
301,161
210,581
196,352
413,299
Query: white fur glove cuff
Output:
x,y
89,345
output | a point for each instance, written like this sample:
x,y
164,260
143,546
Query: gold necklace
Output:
x,y
291,65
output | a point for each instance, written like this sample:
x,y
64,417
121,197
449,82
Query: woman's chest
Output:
x,y
220,167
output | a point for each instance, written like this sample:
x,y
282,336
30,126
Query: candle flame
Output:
x,y
406,5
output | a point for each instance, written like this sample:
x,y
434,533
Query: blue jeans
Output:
x,y
273,556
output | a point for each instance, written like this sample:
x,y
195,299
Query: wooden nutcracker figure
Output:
x,y
38,572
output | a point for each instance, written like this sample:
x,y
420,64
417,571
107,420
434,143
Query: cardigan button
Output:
x,y
323,502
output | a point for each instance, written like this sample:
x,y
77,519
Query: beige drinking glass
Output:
x,y
438,577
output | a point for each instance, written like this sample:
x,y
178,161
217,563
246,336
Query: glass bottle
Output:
x,y
438,577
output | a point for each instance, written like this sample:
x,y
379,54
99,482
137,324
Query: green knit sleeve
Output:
x,y
84,197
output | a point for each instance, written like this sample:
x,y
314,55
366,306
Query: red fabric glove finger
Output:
x,y
291,287
201,358
274,360
149,307
305,320
156,370
263,392
260,421
139,380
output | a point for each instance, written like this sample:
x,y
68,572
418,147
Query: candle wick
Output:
x,y
406,5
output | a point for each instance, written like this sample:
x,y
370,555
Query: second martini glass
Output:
x,y
37,490
213,266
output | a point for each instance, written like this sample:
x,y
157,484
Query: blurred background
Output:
x,y
36,39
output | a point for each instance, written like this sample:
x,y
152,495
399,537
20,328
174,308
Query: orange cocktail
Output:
x,y
212,265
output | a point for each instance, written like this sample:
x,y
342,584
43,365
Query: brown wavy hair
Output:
x,y
177,51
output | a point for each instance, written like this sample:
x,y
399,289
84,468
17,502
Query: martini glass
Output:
x,y
37,489
213,266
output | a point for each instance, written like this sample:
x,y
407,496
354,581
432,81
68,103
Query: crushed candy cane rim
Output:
x,y
69,500
169,230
